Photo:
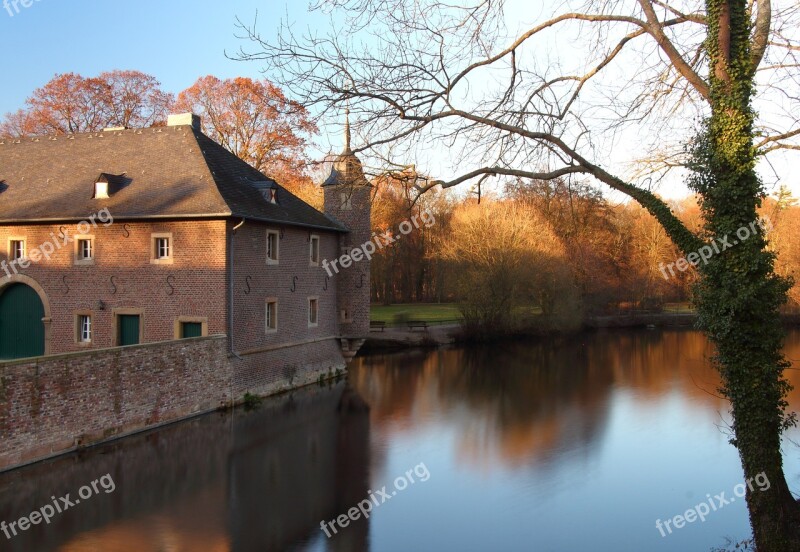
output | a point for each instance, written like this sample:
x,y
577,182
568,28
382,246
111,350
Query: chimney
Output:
x,y
184,119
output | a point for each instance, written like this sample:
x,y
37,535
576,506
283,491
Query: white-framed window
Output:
x,y
17,249
84,328
313,312
273,246
84,250
271,315
162,248
346,201
313,250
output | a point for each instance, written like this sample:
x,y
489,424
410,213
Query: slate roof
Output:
x,y
346,171
171,172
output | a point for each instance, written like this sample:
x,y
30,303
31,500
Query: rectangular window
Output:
x,y
314,251
16,249
273,239
84,249
191,329
271,316
84,328
190,326
313,311
347,201
162,249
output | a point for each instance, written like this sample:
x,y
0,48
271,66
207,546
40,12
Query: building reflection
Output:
x,y
246,481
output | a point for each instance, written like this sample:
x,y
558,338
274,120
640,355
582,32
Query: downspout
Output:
x,y
230,291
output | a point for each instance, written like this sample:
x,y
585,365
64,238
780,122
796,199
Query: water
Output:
x,y
579,445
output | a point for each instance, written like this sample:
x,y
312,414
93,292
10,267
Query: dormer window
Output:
x,y
101,190
270,195
107,184
267,188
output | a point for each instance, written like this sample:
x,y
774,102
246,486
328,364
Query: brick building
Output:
x,y
126,237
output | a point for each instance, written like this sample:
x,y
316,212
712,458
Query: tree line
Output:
x,y
559,247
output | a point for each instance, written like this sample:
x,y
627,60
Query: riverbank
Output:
x,y
389,339
398,338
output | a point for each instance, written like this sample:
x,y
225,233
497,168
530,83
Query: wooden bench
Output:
x,y
377,325
417,324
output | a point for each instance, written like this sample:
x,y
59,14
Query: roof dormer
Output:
x,y
267,188
107,184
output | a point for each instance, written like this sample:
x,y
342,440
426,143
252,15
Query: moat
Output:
x,y
577,445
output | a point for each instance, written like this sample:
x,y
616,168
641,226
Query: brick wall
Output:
x,y
353,283
193,285
295,353
50,405
286,367
255,281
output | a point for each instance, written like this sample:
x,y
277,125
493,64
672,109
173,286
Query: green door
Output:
x,y
21,326
191,329
128,329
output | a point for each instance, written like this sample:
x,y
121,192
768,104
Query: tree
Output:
x,y
134,99
426,72
70,103
408,271
508,258
255,121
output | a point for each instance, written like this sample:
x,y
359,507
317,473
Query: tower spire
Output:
x,y
347,128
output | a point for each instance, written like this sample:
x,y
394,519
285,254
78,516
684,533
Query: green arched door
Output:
x,y
21,326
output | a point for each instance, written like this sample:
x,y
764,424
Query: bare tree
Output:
x,y
587,86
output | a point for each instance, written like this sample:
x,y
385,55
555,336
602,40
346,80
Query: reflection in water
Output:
x,y
258,481
569,446
518,403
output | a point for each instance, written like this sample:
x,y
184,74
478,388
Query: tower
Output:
x,y
347,200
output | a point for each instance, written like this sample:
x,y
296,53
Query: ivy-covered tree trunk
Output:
x,y
739,294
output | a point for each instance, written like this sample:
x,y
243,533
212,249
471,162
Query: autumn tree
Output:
x,y
585,223
549,98
411,270
254,120
509,259
70,103
133,99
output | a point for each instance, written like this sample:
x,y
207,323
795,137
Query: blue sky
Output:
x,y
176,41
